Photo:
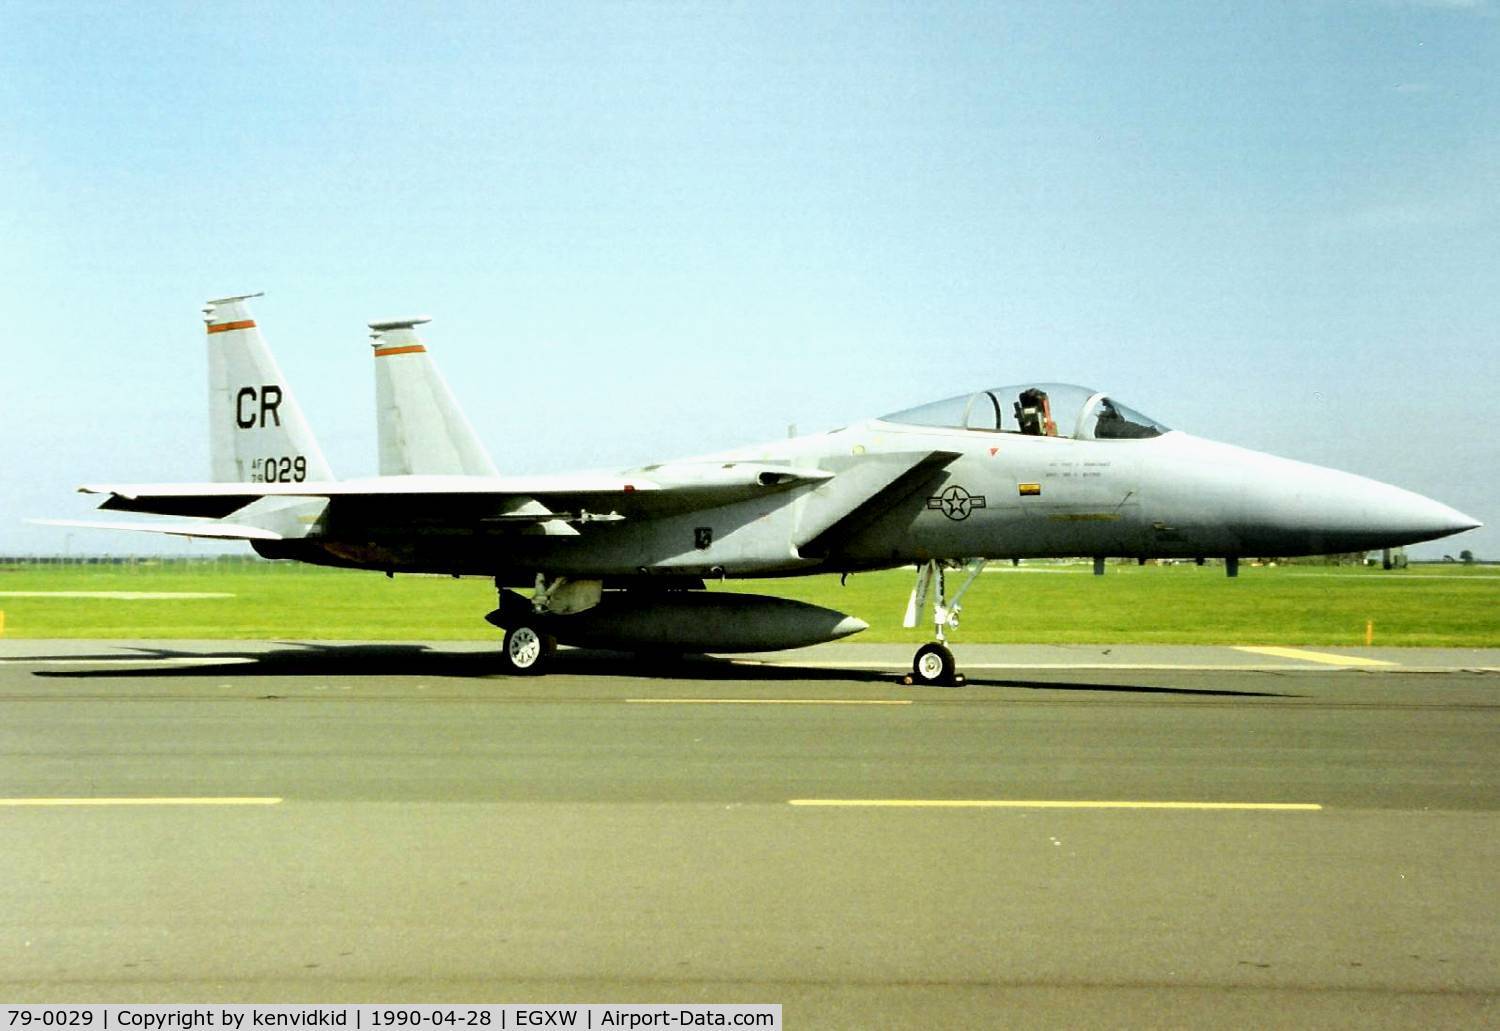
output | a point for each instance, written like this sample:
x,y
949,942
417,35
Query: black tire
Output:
x,y
526,650
933,666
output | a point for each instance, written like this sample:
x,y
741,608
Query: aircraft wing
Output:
x,y
499,500
853,492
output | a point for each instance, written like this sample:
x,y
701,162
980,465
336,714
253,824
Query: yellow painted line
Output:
x,y
120,595
769,701
1003,803
1324,658
39,802
144,660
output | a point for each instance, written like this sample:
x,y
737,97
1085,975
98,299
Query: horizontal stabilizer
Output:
x,y
216,531
255,519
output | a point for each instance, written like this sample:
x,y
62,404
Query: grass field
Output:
x,y
1449,606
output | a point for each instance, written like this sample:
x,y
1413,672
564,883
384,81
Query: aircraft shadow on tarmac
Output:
x,y
295,659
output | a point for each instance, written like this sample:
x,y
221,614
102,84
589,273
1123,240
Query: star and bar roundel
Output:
x,y
956,503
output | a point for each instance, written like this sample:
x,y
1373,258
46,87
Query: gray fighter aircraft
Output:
x,y
620,559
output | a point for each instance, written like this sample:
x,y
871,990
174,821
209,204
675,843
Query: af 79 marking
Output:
x,y
286,469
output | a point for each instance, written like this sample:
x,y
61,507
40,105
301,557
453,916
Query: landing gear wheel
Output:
x,y
526,650
934,666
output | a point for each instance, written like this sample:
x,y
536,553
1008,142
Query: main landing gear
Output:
x,y
526,650
525,621
934,665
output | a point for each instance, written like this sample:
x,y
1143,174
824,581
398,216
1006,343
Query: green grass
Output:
x,y
1447,605
1186,604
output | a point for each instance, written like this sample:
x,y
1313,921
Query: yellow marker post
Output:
x,y
2,622
1369,632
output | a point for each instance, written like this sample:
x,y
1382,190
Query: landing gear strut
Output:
x,y
934,665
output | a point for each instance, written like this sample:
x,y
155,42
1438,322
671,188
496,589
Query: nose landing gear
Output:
x,y
934,665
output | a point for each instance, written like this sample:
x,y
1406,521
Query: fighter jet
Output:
x,y
620,559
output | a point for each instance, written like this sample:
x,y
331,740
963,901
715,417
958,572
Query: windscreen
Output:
x,y
1042,410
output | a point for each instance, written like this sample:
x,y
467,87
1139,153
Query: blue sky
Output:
x,y
653,230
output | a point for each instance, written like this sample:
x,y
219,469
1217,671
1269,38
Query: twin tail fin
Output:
x,y
257,432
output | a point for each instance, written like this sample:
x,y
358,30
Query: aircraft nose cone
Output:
x,y
1265,505
1449,521
1401,513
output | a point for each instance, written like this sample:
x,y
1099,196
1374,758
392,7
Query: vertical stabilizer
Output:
x,y
256,428
421,428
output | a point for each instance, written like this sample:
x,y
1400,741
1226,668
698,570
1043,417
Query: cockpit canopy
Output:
x,y
1041,410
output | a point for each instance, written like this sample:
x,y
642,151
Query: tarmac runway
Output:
x,y
1082,836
